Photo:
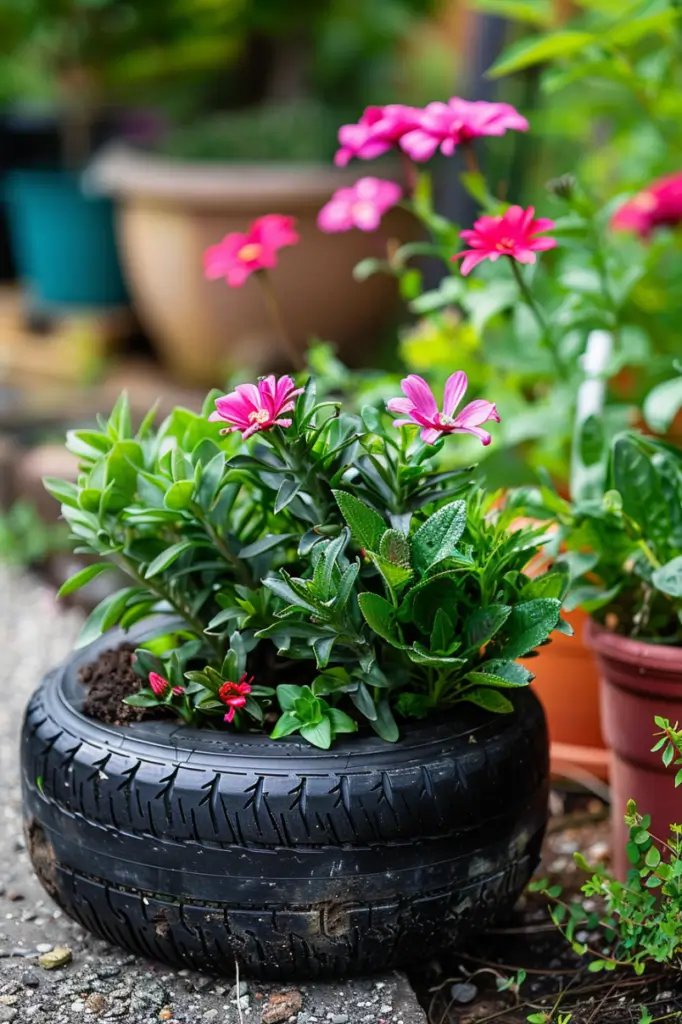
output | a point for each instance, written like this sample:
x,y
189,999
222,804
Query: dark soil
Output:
x,y
107,681
463,988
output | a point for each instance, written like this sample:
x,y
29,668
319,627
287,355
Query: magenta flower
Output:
x,y
240,255
234,695
360,206
449,124
512,234
421,408
252,407
377,131
161,686
658,205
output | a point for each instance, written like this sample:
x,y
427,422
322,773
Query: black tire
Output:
x,y
196,847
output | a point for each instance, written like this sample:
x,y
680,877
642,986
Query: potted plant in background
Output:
x,y
87,59
295,77
624,553
323,753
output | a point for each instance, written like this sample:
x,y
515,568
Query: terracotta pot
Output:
x,y
638,680
567,683
171,211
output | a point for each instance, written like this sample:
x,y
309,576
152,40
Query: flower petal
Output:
x,y
430,435
476,412
403,405
420,394
455,389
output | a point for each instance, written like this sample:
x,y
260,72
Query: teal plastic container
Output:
x,y
63,241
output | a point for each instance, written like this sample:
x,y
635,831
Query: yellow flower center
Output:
x,y
259,416
249,253
505,245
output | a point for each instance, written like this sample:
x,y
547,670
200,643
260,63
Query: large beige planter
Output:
x,y
170,212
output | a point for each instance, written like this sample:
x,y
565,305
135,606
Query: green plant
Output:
x,y
329,570
25,539
623,546
639,920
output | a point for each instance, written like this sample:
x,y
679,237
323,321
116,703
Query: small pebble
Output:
x,y
77,1006
339,1018
44,947
243,989
60,956
30,980
463,992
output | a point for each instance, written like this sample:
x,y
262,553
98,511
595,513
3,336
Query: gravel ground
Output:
x,y
101,982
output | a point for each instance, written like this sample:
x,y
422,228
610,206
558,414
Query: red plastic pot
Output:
x,y
638,681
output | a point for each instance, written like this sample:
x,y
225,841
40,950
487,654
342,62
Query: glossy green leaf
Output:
x,y
167,557
529,624
80,579
539,50
178,497
380,617
490,699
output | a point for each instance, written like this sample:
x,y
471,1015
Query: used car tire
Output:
x,y
199,847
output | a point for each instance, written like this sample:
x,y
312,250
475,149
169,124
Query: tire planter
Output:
x,y
198,847
638,680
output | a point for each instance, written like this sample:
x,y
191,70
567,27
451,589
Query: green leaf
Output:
x,y
341,722
591,441
395,576
287,695
179,495
532,12
529,624
484,623
662,405
84,576
385,725
363,701
635,478
285,725
490,679
395,547
167,557
510,671
210,480
288,490
443,632
62,490
669,577
267,543
106,614
320,735
631,30
653,857
143,699
366,525
490,699
538,50
380,617
438,536
550,584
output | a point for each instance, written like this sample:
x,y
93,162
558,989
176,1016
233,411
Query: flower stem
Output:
x,y
470,158
538,313
410,174
275,312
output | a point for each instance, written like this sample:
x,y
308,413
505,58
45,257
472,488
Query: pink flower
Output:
x,y
252,407
360,206
658,205
376,132
161,686
511,234
158,684
238,255
449,124
234,695
421,408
